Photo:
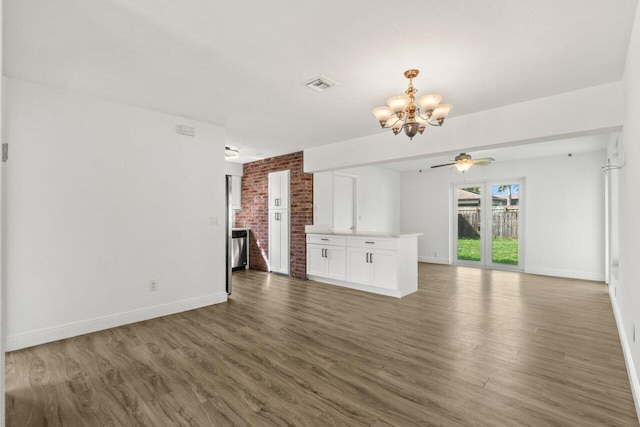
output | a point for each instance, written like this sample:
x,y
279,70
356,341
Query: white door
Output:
x,y
344,202
487,224
336,258
384,269
359,269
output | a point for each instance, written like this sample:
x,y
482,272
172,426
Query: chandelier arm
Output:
x,y
429,120
388,126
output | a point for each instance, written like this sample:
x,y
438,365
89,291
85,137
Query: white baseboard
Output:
x,y
626,351
69,330
584,275
351,285
433,260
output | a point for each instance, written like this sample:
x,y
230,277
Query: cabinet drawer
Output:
x,y
327,239
373,243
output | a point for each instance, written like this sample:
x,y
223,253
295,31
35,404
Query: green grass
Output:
x,y
505,251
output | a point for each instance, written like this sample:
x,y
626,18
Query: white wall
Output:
x,y
544,119
2,235
236,169
378,195
377,198
627,302
564,213
102,198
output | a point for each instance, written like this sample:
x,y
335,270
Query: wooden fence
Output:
x,y
504,222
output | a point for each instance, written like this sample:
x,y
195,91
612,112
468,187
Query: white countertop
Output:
x,y
240,228
367,233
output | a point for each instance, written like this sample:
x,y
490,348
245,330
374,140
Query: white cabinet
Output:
x,y
327,257
373,267
279,224
279,190
236,192
384,265
279,241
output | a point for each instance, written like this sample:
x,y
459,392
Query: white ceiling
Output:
x,y
583,144
241,64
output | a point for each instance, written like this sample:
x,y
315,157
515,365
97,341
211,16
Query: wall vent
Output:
x,y
320,83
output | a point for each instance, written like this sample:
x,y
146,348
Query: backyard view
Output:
x,y
504,217
505,251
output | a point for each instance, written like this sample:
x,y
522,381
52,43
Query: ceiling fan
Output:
x,y
463,162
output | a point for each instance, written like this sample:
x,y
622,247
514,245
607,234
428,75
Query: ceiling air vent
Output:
x,y
319,84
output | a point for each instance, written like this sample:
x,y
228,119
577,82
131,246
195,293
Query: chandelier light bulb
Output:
x,y
398,103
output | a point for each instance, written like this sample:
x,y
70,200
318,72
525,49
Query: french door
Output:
x,y
487,224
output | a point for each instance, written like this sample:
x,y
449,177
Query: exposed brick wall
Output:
x,y
255,210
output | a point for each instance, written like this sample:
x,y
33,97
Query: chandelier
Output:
x,y
403,113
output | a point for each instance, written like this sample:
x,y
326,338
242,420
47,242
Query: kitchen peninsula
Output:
x,y
382,263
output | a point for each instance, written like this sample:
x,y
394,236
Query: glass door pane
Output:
x,y
469,243
505,217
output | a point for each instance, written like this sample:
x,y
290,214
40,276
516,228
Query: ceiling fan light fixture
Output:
x,y
403,112
231,153
463,166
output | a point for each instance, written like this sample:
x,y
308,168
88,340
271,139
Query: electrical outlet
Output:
x,y
153,285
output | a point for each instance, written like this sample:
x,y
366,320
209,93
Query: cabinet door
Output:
x,y
236,192
336,258
316,262
275,258
283,240
274,189
279,190
358,268
384,269
284,189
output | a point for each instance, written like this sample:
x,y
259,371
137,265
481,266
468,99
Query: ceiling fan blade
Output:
x,y
485,159
480,162
446,164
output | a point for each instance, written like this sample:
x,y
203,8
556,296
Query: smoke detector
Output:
x,y
320,83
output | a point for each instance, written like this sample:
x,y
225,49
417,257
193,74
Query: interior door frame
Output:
x,y
354,180
454,224
486,224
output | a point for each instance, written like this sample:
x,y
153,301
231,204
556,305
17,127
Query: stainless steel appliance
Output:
x,y
239,246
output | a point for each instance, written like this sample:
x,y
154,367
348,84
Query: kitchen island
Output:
x,y
379,262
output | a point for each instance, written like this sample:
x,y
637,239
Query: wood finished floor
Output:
x,y
471,347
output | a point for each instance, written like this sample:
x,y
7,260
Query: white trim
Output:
x,y
351,285
433,260
69,330
583,275
626,351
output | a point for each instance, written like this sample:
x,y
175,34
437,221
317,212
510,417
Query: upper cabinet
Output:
x,y
279,190
236,192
